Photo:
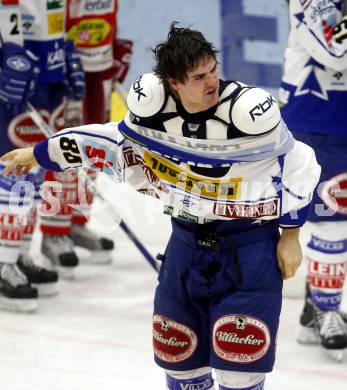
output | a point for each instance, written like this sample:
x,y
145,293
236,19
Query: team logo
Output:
x,y
172,342
334,193
18,63
240,338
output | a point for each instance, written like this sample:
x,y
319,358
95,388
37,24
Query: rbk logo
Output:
x,y
261,108
138,89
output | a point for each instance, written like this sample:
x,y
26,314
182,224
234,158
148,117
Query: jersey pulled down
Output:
x,y
314,85
236,160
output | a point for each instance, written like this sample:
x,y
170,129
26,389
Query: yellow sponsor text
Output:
x,y
180,176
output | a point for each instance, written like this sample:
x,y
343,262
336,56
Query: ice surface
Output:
x,y
96,334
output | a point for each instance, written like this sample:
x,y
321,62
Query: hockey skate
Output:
x,y
332,331
43,279
307,333
59,250
100,248
16,293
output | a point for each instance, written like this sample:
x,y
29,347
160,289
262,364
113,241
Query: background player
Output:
x,y
18,84
105,60
314,95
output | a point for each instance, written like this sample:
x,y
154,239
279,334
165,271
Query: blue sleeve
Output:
x,y
42,157
294,219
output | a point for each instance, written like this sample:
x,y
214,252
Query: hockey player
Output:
x,y
105,59
314,95
18,79
229,173
61,76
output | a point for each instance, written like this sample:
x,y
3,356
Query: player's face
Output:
x,y
200,90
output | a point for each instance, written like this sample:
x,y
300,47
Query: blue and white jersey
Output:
x,y
313,92
257,184
43,23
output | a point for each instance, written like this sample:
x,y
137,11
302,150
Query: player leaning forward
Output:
x,y
230,174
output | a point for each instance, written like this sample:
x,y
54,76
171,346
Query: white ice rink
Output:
x,y
96,334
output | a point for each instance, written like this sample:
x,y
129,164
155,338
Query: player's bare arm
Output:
x,y
289,254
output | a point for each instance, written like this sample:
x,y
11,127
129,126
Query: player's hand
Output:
x,y
289,254
20,161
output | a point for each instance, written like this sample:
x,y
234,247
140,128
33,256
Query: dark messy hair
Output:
x,y
181,53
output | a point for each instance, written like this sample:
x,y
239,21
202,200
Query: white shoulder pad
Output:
x,y
255,112
146,96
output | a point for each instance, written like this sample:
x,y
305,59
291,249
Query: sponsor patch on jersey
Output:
x,y
55,58
23,132
55,23
326,301
247,210
224,189
185,216
27,24
334,193
240,338
168,210
97,5
325,275
172,342
90,32
326,246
